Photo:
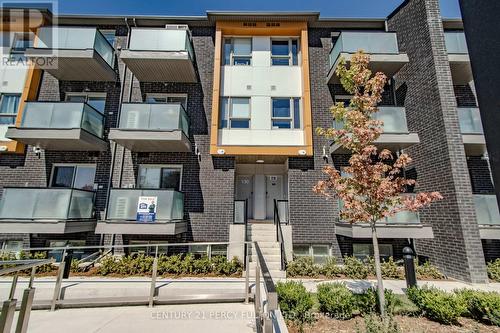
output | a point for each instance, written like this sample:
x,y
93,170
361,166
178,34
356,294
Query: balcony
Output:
x,y
74,53
402,225
396,135
121,214
160,55
63,126
153,128
458,57
487,215
46,210
472,131
382,47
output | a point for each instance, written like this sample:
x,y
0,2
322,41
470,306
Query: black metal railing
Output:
x,y
279,231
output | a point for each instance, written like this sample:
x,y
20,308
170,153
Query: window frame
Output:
x,y
25,36
311,251
166,96
75,166
370,250
108,31
87,95
229,115
231,51
160,166
10,115
291,118
290,51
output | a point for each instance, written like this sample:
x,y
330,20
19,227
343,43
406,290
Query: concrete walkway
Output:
x,y
166,318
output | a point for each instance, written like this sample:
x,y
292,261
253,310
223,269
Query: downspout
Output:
x,y
113,155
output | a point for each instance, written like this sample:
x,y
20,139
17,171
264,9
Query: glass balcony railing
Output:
x,y
470,121
75,38
46,204
370,42
486,206
63,115
142,39
404,217
167,117
394,119
122,204
455,42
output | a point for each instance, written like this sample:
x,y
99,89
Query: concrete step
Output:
x,y
260,227
267,251
272,266
275,274
267,257
262,238
265,245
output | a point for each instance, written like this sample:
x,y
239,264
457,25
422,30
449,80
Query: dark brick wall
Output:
x,y
439,158
480,176
311,215
464,96
491,249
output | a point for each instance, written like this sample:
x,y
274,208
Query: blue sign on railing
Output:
x,y
146,209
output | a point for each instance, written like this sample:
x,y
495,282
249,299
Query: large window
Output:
x,y
167,98
284,52
95,100
235,112
9,104
22,41
73,176
286,113
363,251
160,176
110,36
238,51
319,252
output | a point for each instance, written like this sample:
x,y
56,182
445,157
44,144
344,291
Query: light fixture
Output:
x,y
221,151
302,152
259,161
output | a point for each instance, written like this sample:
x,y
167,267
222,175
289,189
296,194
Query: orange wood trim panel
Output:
x,y
216,90
306,92
258,150
261,28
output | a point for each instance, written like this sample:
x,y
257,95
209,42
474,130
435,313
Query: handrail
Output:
x,y
22,265
279,234
265,311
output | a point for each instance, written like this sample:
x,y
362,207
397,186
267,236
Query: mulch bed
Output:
x,y
406,324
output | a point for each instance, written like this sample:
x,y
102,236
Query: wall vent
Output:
x,y
249,87
176,27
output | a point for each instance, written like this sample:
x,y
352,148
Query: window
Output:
x,y
286,113
109,35
9,104
148,249
200,251
284,52
167,98
160,176
363,251
238,51
235,112
77,253
319,253
12,247
95,100
73,176
21,43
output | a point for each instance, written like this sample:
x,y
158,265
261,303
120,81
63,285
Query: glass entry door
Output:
x,y
244,191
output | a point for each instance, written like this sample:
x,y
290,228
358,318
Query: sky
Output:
x,y
327,8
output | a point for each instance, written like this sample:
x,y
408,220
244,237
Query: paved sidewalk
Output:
x,y
222,318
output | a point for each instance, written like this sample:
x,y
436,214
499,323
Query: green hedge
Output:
x,y
493,268
481,305
175,264
437,305
336,300
367,302
47,268
295,302
355,268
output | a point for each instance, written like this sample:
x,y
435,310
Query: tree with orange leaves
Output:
x,y
372,190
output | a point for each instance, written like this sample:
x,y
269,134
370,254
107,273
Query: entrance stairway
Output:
x,y
265,235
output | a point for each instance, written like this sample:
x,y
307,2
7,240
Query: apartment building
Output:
x,y
214,118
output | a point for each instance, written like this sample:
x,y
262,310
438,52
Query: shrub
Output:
x,y
376,324
428,271
436,304
390,270
330,269
295,302
368,303
355,268
74,266
493,268
174,264
336,300
480,305
302,266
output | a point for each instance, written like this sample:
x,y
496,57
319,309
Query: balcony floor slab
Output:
x,y
391,141
489,231
46,226
151,140
141,228
408,230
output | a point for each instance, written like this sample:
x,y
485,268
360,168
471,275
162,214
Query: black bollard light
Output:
x,y
67,260
409,259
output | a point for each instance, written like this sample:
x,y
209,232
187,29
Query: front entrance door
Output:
x,y
244,191
274,191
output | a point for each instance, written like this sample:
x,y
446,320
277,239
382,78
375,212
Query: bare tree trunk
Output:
x,y
378,271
